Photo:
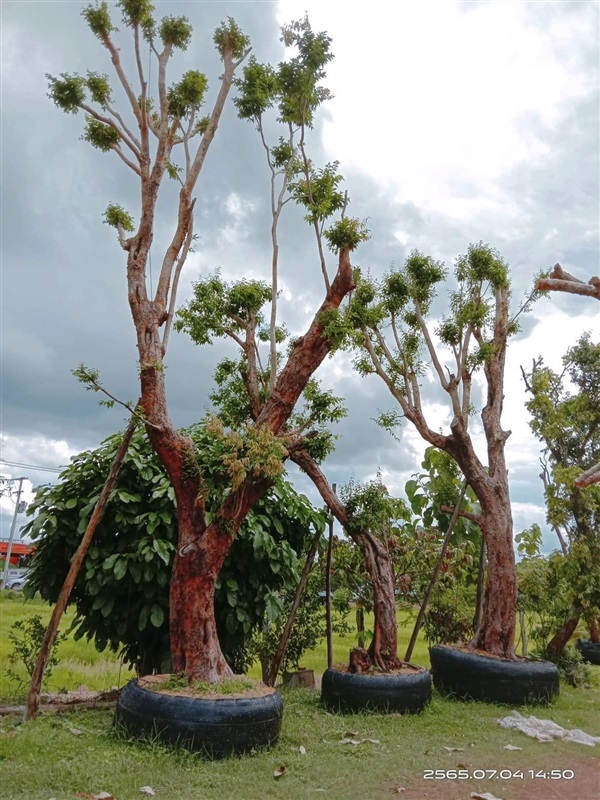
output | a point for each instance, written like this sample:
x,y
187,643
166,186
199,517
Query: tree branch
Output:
x,y
97,387
116,60
314,472
178,267
315,223
251,379
476,518
561,281
121,122
111,123
431,349
587,478
123,157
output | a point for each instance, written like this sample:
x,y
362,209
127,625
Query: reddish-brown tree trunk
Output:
x,y
594,631
195,645
560,640
383,650
201,548
496,632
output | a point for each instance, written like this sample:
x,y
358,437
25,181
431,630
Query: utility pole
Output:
x,y
12,531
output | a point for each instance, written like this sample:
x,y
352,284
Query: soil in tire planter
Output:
x,y
215,728
471,676
404,693
590,651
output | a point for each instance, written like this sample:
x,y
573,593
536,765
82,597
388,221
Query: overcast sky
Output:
x,y
452,122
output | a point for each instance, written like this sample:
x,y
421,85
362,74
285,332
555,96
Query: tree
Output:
x,y
403,547
565,417
122,597
560,281
254,457
392,327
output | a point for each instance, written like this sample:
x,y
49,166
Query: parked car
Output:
x,y
16,578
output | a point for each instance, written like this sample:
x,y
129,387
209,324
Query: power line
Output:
x,y
29,466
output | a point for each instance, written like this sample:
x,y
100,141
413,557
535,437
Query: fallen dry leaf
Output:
x,y
372,741
76,731
485,796
400,789
454,749
511,747
302,750
103,796
147,790
279,772
351,734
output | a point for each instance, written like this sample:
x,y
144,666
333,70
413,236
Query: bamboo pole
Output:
x,y
283,642
436,572
33,697
328,592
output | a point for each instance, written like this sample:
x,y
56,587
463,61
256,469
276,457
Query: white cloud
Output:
x,y
436,100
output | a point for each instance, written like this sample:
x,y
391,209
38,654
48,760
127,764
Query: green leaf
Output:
x,y
120,569
157,616
143,618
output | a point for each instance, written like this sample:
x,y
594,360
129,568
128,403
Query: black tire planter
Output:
x,y
216,728
590,651
407,693
470,676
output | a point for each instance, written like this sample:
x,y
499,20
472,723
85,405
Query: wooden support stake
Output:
x,y
33,697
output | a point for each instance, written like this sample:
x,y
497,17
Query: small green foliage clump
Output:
x,y
573,668
188,94
347,234
229,37
257,89
175,31
97,17
116,216
67,92
99,135
99,87
27,636
136,13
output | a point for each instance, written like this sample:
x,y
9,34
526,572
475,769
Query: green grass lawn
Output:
x,y
78,753
80,663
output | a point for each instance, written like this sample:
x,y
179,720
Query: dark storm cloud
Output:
x,y
64,288
63,279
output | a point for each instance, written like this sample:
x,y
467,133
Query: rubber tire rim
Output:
x,y
469,676
406,693
216,728
590,651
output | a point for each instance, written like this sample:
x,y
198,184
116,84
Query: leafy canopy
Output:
x,y
122,594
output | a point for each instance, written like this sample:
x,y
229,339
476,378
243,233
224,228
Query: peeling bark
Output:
x,y
383,650
496,632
